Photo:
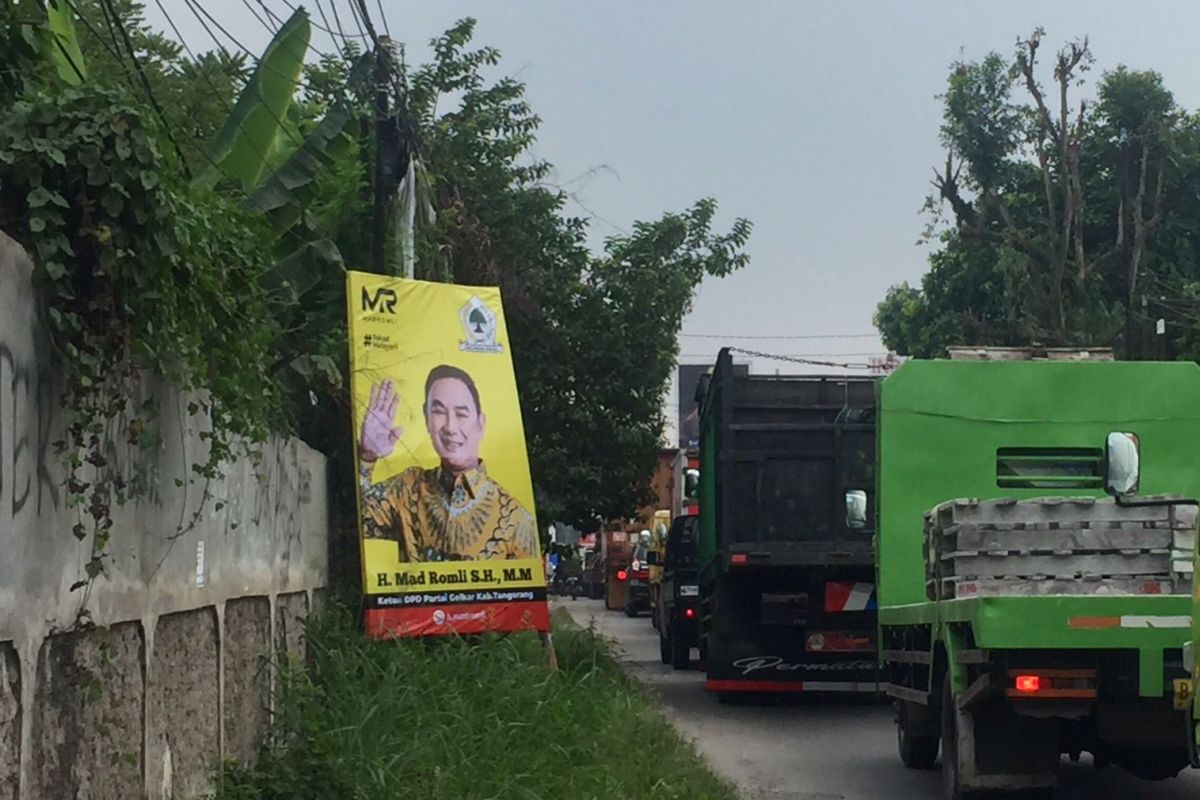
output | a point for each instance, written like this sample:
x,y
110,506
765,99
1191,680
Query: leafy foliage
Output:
x,y
594,337
138,273
1062,214
233,284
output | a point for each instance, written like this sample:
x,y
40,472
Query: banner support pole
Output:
x,y
551,656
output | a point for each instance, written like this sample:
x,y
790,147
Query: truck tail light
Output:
x,y
689,613
1028,684
1052,684
738,558
622,574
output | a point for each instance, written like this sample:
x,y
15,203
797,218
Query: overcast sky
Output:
x,y
817,121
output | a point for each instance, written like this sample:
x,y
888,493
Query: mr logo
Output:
x,y
384,300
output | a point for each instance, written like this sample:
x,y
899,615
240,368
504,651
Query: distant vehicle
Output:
x,y
658,544
566,582
617,545
677,613
787,578
636,577
592,578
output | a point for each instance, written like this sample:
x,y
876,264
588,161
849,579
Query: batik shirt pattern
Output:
x,y
438,516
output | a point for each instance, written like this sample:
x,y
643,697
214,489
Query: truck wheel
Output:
x,y
681,654
918,747
952,788
629,610
664,649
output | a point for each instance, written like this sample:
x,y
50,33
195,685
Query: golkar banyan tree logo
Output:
x,y
479,325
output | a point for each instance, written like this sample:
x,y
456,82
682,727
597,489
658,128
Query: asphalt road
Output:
x,y
826,750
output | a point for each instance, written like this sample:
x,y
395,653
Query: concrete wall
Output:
x,y
168,672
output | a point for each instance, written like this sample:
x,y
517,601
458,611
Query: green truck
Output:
x,y
1035,557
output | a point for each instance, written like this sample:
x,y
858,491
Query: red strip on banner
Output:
x,y
717,685
386,623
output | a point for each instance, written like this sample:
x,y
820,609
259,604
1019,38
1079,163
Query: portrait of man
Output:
x,y
451,511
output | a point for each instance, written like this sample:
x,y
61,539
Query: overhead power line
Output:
x,y
798,355
327,28
781,336
799,360
141,73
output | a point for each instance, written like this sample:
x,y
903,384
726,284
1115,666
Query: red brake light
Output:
x,y
738,558
622,574
1028,684
689,612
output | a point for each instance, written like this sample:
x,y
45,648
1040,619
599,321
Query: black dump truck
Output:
x,y
677,612
787,590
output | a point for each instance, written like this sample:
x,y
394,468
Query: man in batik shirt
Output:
x,y
453,511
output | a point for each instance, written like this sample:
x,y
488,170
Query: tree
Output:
x,y
1059,211
593,335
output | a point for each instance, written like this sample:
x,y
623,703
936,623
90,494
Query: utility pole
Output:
x,y
379,224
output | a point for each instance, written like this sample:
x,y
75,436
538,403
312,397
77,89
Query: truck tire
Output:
x,y
952,788
681,654
664,649
918,747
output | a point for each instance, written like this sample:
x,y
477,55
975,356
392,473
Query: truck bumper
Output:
x,y
1150,625
638,594
837,687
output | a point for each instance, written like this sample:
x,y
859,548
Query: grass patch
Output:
x,y
451,719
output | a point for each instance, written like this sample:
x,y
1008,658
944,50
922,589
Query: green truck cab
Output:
x,y
1023,612
1190,662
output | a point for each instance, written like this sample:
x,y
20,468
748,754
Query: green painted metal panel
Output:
x,y
941,426
942,422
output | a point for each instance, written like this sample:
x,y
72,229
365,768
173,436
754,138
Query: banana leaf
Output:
x,y
283,195
302,270
62,45
241,149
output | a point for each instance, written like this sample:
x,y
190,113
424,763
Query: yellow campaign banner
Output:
x,y
445,502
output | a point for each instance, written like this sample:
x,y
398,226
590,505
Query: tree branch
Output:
x,y
1045,126
947,185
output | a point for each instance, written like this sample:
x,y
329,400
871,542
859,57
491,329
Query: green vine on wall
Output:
x,y
140,272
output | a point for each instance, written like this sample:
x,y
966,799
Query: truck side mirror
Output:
x,y
654,558
1123,468
856,508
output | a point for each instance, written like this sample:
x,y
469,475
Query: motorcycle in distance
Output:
x,y
565,582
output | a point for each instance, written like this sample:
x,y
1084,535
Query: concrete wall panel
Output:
x,y
10,722
247,647
88,715
184,705
181,548
289,624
